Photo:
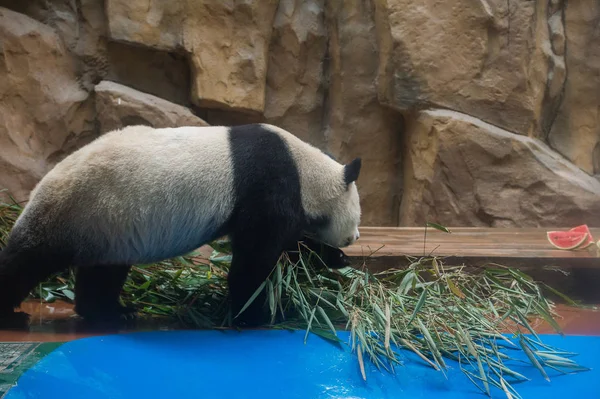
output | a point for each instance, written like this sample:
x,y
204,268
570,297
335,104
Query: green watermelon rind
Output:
x,y
577,244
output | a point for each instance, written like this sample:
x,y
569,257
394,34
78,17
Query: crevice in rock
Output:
x,y
485,217
325,83
217,117
89,48
467,117
332,57
400,181
161,73
508,23
596,159
556,60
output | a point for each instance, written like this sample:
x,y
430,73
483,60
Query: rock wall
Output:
x,y
466,113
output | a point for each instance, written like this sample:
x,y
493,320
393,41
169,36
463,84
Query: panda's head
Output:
x,y
341,214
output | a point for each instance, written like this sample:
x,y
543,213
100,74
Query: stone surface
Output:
x,y
475,57
227,43
44,113
460,171
153,23
575,132
80,26
295,92
118,106
356,123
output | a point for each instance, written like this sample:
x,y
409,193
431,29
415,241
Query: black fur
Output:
x,y
21,270
97,292
352,170
268,215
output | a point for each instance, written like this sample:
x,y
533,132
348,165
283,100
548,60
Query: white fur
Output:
x,y
324,190
183,184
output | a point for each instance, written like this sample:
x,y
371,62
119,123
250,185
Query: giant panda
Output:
x,y
140,195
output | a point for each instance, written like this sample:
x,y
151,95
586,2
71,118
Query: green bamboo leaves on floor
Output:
x,y
438,312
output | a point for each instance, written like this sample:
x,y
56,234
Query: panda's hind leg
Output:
x,y
98,290
21,270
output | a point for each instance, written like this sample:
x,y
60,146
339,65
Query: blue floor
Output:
x,y
263,364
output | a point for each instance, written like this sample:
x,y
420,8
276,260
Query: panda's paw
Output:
x,y
107,314
128,312
251,321
14,320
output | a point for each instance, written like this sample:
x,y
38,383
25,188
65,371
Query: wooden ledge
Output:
x,y
473,245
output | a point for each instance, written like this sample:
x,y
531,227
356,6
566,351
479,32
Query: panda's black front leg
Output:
x,y
251,265
97,293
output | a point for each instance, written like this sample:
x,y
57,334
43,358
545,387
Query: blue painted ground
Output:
x,y
264,364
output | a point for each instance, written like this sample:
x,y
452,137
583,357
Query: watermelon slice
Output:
x,y
584,229
567,240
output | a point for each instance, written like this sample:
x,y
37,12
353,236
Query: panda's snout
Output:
x,y
352,239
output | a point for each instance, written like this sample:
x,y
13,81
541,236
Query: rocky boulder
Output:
x,y
118,106
461,171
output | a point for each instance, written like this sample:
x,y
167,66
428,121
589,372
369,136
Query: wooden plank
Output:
x,y
465,242
574,273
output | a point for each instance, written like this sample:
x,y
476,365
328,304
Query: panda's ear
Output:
x,y
352,170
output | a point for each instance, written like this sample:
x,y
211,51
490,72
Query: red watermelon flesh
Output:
x,y
584,229
567,240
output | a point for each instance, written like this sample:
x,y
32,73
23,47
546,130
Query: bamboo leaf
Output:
x,y
418,353
312,316
561,295
361,362
467,339
418,306
438,227
533,360
455,290
434,349
252,298
388,326
327,335
326,318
